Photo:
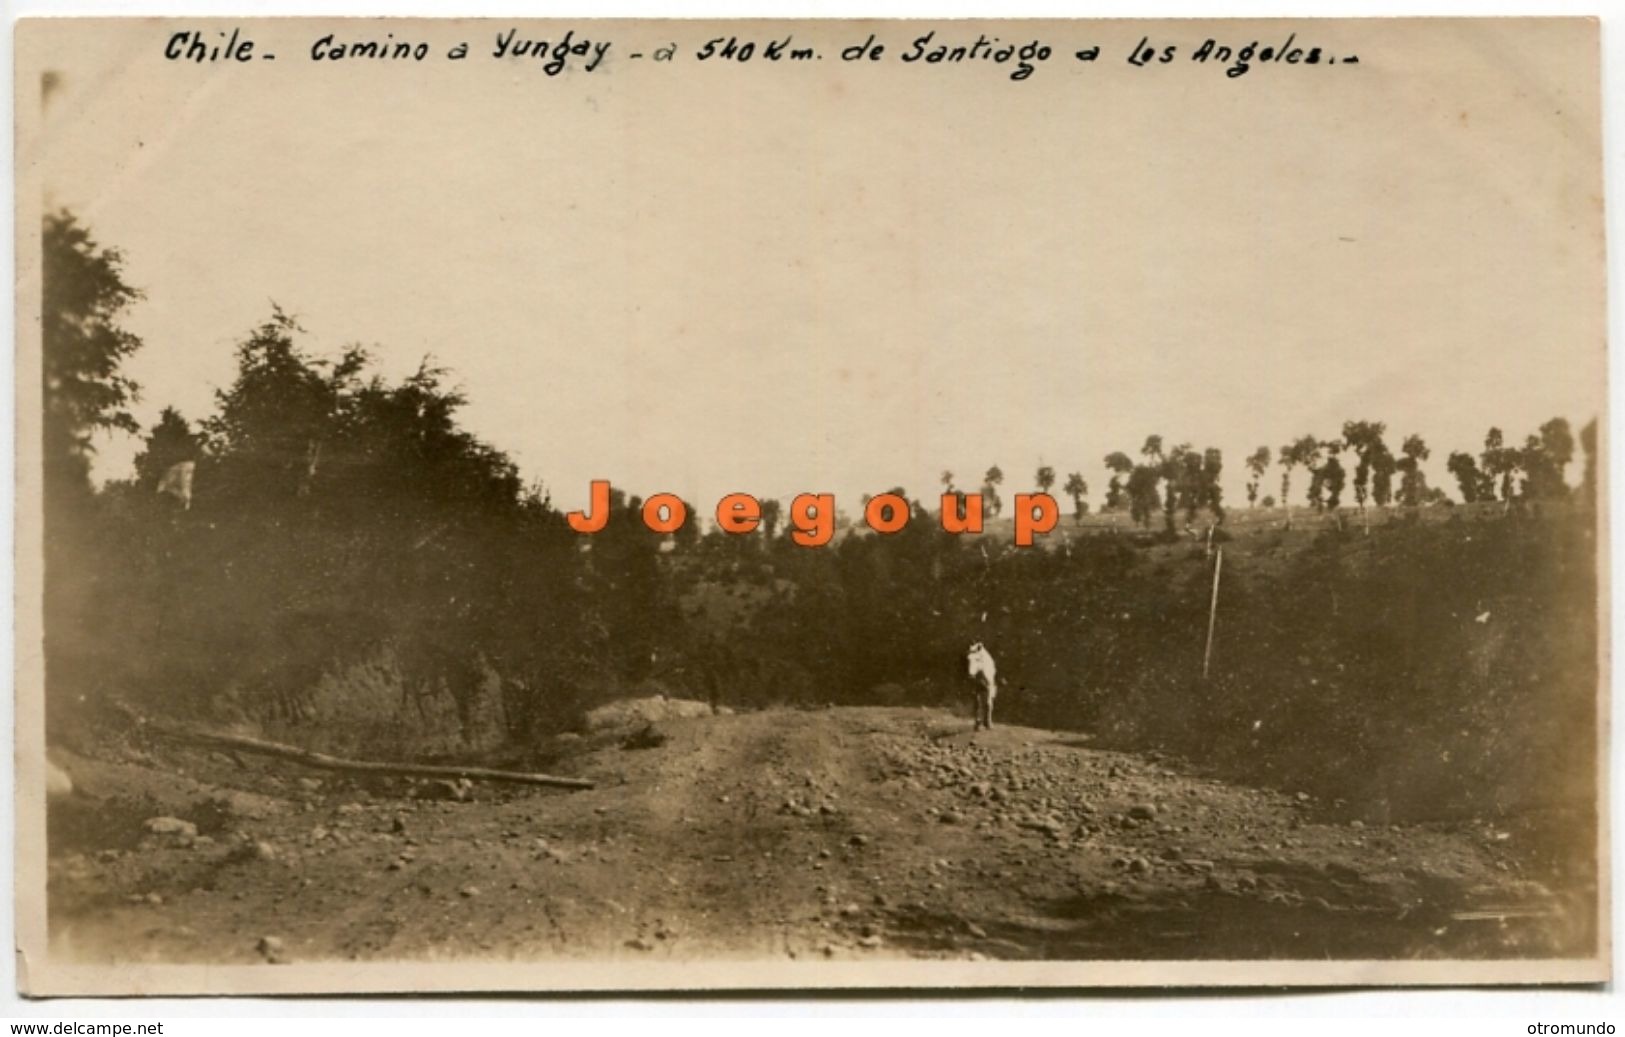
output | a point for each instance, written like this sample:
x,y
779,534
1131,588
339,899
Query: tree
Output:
x,y
1077,489
1500,464
1383,467
1045,478
1143,498
170,442
1212,491
401,442
1181,474
772,512
1474,484
83,300
1373,470
1257,464
1413,487
990,489
1546,458
1305,450
1332,476
947,481
283,410
1121,467
687,535
1318,462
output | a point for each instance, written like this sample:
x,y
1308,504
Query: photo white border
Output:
x,y
1225,1013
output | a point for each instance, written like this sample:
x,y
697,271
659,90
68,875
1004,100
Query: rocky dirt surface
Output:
x,y
807,835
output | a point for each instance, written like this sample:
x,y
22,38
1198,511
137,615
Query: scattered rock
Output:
x,y
469,891
250,805
271,949
630,713
445,790
172,827
1049,825
263,850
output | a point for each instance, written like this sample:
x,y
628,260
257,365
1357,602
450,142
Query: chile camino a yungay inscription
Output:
x,y
1018,58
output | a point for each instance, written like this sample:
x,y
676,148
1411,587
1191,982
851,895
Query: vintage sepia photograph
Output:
x,y
734,505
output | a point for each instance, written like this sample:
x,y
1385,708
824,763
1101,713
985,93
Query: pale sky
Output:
x,y
703,278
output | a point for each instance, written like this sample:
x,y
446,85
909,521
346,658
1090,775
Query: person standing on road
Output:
x,y
983,672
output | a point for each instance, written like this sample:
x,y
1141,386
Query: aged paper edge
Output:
x,y
37,976
723,975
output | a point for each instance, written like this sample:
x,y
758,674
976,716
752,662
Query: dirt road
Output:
x,y
839,833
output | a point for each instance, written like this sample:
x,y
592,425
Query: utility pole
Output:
x,y
1213,612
